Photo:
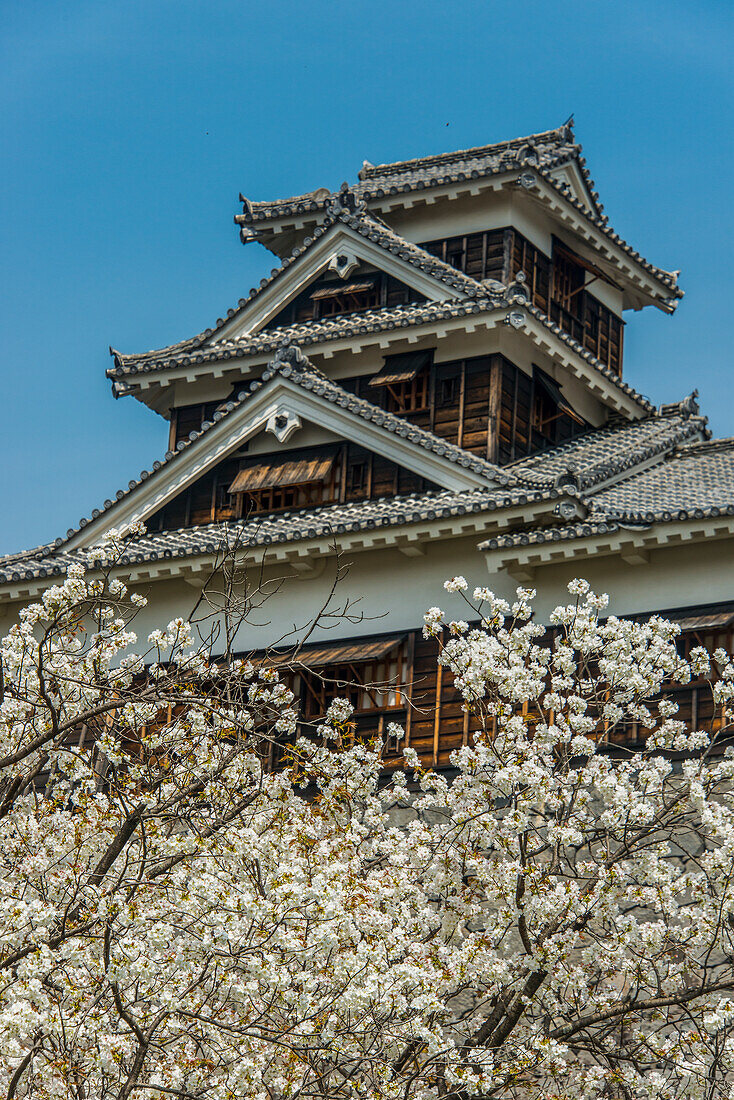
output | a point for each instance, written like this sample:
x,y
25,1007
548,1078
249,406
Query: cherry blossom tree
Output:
x,y
554,919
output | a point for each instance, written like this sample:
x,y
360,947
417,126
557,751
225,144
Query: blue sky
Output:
x,y
128,129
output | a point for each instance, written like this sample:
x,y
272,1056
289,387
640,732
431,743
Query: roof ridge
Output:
x,y
707,446
632,456
370,171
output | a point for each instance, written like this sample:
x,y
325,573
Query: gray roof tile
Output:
x,y
305,333
695,478
693,481
604,453
491,298
325,522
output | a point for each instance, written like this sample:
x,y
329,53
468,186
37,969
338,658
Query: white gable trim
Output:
x,y
279,396
309,266
569,173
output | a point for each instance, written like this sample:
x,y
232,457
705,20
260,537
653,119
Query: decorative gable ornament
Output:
x,y
515,319
567,510
282,423
343,262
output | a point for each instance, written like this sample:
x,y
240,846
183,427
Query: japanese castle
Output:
x,y
429,382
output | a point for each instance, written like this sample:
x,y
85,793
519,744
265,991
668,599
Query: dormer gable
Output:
x,y
291,393
572,181
348,251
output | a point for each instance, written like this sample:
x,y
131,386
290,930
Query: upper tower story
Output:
x,y
457,204
496,262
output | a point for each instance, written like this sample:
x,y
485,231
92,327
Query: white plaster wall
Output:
x,y
474,214
687,575
387,590
390,592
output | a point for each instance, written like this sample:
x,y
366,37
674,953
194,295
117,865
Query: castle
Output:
x,y
429,382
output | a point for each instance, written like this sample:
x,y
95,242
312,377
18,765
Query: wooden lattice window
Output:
x,y
275,485
189,418
568,282
481,255
534,265
372,674
339,298
405,381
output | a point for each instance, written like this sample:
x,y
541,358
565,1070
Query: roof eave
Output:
x,y
612,537
663,292
410,537
599,379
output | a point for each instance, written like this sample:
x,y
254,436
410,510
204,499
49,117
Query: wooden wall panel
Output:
x,y
357,474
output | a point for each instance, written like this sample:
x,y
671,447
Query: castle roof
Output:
x,y
691,482
312,334
535,157
663,460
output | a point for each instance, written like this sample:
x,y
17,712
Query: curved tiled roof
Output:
x,y
540,153
604,453
695,481
338,328
550,148
304,525
305,333
691,479
369,227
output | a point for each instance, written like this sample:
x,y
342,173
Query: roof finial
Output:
x,y
345,199
290,353
689,405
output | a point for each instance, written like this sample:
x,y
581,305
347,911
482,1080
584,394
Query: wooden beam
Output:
x,y
437,714
462,393
494,408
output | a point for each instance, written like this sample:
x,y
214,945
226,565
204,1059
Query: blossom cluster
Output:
x,y
186,910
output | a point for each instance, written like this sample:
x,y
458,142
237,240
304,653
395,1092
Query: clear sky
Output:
x,y
129,127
